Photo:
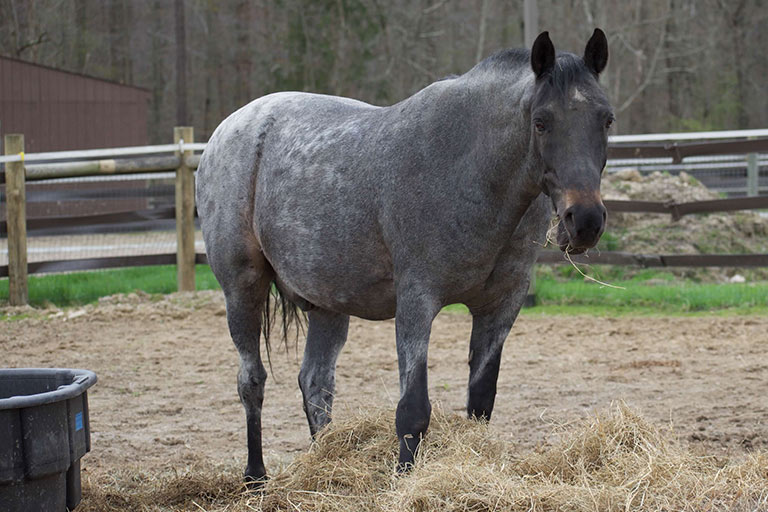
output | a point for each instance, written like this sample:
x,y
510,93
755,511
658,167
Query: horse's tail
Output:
x,y
292,320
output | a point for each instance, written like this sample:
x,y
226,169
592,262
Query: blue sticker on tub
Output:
x,y
79,421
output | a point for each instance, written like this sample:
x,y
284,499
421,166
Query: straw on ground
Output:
x,y
614,461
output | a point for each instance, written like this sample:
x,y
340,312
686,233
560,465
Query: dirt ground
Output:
x,y
166,394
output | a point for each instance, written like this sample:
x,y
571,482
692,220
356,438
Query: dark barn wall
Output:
x,y
58,110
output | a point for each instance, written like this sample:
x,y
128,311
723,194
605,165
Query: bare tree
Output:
x,y
181,63
674,63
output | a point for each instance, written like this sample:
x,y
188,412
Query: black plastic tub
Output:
x,y
44,431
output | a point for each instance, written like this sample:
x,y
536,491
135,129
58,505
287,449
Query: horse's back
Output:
x,y
265,128
240,137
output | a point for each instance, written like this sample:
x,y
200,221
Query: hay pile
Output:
x,y
613,462
646,233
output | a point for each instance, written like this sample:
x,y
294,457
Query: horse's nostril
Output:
x,y
584,224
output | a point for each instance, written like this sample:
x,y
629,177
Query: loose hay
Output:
x,y
615,461
190,488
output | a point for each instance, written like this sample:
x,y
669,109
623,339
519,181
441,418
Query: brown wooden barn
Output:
x,y
59,110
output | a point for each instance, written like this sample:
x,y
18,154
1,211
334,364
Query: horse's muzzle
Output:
x,y
581,226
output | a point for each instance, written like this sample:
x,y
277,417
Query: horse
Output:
x,y
346,208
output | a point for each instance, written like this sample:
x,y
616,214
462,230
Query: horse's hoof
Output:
x,y
403,468
255,482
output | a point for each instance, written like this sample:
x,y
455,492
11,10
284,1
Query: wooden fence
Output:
x,y
183,162
17,174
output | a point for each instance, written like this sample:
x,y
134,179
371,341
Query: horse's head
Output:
x,y
570,118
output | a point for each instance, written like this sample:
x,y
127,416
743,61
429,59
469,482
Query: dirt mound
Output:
x,y
630,184
612,462
650,233
127,305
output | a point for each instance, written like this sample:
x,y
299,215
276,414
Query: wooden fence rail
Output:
x,y
658,260
677,210
17,174
679,150
182,215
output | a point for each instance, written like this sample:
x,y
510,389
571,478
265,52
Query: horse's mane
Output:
x,y
507,59
569,68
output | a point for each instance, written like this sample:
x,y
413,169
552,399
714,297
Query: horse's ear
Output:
x,y
542,55
596,52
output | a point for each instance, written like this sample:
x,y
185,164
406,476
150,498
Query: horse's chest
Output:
x,y
511,267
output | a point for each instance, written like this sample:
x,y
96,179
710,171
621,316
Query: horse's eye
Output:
x,y
539,125
609,122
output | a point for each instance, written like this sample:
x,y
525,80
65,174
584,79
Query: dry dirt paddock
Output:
x,y
166,395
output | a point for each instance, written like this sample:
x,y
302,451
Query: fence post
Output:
x,y
15,191
753,175
185,213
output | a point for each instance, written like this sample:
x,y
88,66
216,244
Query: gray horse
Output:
x,y
382,212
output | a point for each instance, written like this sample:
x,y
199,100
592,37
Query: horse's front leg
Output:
x,y
489,331
413,323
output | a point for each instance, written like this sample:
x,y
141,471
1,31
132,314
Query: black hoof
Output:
x,y
409,446
479,415
256,481
403,468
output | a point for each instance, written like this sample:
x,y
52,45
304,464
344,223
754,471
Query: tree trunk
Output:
x,y
156,131
81,31
181,65
243,63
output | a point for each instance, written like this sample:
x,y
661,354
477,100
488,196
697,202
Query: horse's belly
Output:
x,y
371,301
332,262
340,288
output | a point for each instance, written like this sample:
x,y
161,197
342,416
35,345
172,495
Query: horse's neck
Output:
x,y
503,158
473,137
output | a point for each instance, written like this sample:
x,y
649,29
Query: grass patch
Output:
x,y
86,287
641,297
647,293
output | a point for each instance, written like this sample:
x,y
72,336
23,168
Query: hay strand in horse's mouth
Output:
x,y
567,253
551,238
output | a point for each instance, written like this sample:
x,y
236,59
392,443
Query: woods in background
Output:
x,y
675,64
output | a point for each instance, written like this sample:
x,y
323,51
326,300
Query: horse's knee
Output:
x,y
316,378
305,380
250,383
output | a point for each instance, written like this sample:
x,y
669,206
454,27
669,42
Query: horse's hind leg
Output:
x,y
325,339
246,284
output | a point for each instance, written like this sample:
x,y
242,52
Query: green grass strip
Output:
x,y
674,297
554,296
86,287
